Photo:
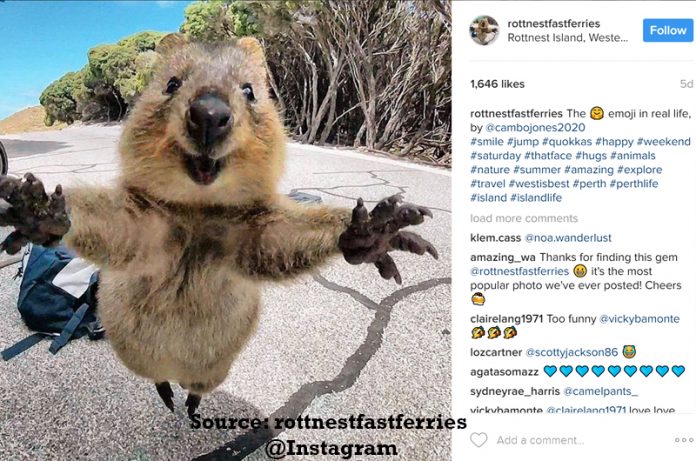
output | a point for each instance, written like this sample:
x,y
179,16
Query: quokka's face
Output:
x,y
205,129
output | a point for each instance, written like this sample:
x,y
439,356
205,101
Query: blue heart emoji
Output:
x,y
678,370
630,370
566,370
582,370
550,370
662,370
646,370
598,370
614,370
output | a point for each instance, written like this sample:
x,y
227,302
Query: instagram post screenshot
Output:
x,y
416,230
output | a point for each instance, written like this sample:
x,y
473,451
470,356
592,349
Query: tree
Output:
x,y
302,34
117,72
113,78
219,20
142,41
58,100
399,60
375,74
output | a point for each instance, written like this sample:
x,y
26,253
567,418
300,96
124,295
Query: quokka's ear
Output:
x,y
253,48
171,43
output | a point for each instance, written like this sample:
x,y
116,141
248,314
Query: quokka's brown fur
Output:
x,y
182,262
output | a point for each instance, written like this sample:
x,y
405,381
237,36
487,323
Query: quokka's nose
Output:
x,y
209,119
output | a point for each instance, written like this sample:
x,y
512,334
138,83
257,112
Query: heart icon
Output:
x,y
678,370
630,370
646,370
582,370
550,370
479,438
566,370
614,370
662,370
598,370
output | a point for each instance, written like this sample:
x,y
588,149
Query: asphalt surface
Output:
x,y
337,343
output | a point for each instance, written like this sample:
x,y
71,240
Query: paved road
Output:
x,y
338,343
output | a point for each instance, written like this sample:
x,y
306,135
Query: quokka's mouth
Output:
x,y
202,169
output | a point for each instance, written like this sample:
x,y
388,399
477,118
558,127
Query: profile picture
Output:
x,y
484,30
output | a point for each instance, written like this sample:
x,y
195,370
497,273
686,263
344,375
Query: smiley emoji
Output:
x,y
510,332
629,351
478,299
596,113
493,332
478,332
580,270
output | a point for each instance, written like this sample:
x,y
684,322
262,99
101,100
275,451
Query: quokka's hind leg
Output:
x,y
166,394
192,402
197,389
195,394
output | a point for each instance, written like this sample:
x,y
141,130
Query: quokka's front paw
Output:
x,y
36,217
370,236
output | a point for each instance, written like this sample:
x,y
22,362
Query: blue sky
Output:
x,y
42,40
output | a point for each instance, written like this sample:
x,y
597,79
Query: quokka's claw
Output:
x,y
36,217
413,243
425,211
370,236
360,214
8,185
387,268
13,243
384,210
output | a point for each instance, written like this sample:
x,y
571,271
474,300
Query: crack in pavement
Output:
x,y
82,168
54,154
373,174
362,171
250,441
355,294
384,182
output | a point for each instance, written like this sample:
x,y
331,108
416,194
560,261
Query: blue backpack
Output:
x,y
57,298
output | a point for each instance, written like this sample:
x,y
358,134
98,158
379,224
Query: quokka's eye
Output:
x,y
173,84
248,92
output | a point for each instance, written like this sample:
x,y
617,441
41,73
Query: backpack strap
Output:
x,y
23,345
69,329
